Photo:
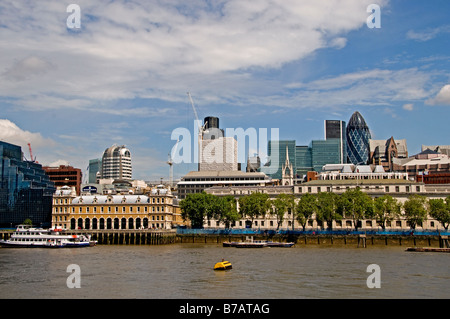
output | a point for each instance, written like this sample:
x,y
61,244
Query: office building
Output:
x,y
197,182
95,167
25,190
358,136
325,152
116,163
278,150
65,176
335,129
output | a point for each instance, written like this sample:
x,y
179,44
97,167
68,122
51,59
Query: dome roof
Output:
x,y
357,122
116,151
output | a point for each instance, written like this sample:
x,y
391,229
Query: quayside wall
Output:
x,y
350,238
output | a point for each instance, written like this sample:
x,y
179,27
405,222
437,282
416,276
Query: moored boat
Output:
x,y
29,237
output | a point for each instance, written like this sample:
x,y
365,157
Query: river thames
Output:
x,y
185,271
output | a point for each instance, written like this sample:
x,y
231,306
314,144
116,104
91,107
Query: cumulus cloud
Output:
x,y
11,133
442,98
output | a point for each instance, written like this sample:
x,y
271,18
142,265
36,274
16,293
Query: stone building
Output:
x,y
154,210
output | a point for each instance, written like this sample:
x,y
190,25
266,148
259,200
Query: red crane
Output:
x,y
31,153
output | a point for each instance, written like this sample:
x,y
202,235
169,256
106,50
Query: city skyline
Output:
x,y
122,77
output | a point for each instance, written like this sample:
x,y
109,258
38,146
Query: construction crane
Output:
x,y
31,154
170,162
200,128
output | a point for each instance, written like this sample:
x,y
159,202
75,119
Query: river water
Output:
x,y
185,271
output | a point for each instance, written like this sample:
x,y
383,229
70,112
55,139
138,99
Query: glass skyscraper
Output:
x,y
277,157
26,192
358,136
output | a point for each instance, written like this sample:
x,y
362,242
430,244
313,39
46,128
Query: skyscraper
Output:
x,y
116,163
358,136
335,129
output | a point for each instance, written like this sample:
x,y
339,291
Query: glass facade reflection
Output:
x,y
25,190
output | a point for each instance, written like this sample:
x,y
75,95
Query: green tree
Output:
x,y
196,207
440,210
28,222
306,208
356,205
280,205
386,209
415,209
224,209
254,205
327,208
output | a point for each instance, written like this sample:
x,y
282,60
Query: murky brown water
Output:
x,y
185,271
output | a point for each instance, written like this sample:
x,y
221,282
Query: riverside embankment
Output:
x,y
314,237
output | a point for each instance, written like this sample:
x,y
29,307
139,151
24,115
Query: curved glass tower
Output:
x,y
358,136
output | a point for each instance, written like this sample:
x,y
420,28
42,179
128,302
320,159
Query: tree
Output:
x,y
254,205
355,204
440,210
280,205
327,208
306,208
386,209
224,209
196,207
415,209
27,222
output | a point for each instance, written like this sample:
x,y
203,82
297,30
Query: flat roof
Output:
x,y
389,181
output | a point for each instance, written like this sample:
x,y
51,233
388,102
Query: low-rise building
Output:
x,y
197,181
398,188
97,211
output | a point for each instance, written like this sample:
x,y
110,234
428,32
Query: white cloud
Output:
x,y
442,98
160,49
408,107
11,133
427,34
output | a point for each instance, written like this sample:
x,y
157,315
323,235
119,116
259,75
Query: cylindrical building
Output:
x,y
116,163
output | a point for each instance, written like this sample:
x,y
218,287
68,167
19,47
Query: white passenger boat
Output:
x,y
27,236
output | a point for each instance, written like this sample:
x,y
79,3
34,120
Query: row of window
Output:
x,y
156,217
154,200
109,210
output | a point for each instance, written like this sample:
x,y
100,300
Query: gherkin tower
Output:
x,y
358,136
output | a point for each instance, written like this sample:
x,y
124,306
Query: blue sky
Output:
x,y
122,77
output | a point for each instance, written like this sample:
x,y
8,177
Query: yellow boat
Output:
x,y
223,265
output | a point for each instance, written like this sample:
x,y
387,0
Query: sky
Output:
x,y
122,76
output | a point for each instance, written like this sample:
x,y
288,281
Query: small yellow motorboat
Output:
x,y
223,265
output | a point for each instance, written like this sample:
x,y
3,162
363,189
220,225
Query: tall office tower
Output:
x,y
336,129
358,136
325,152
26,192
277,157
95,166
303,160
116,163
218,153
